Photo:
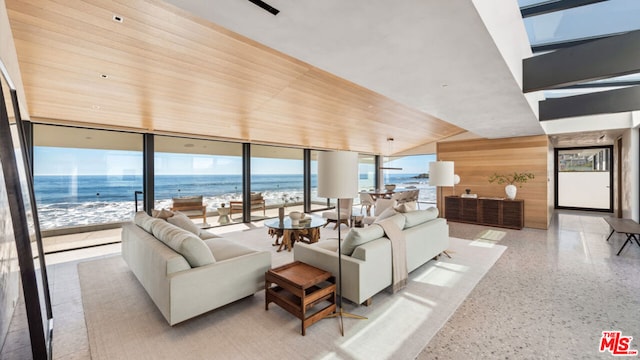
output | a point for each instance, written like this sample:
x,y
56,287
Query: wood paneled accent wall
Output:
x,y
476,160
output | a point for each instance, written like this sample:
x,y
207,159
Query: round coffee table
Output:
x,y
307,231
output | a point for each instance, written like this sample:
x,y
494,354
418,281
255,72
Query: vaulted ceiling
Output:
x,y
330,74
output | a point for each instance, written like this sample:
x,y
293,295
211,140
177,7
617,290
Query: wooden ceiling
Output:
x,y
163,70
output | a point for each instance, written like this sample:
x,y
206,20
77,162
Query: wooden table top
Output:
x,y
300,274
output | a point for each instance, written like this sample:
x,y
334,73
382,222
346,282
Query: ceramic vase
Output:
x,y
511,191
295,217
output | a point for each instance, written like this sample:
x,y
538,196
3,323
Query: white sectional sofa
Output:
x,y
185,275
366,252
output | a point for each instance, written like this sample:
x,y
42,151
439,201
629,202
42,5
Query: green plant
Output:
x,y
515,178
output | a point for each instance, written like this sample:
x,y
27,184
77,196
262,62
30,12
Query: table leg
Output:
x,y
629,236
608,237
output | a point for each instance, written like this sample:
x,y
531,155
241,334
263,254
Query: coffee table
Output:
x,y
307,231
298,288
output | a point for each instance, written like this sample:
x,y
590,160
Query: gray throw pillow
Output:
x,y
387,213
418,217
359,236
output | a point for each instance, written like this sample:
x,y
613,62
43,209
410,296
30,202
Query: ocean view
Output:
x,y
82,200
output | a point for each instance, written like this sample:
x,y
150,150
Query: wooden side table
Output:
x,y
298,288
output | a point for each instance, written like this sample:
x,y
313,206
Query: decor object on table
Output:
x,y
468,191
295,217
390,187
511,179
338,178
281,213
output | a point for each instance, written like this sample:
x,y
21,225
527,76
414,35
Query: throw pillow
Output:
x,y
192,248
420,216
388,212
143,220
406,207
182,221
398,219
359,236
163,214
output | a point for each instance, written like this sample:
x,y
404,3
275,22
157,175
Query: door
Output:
x,y
584,179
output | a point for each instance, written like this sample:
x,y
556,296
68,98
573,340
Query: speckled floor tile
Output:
x,y
549,296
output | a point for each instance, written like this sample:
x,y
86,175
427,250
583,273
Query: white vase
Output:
x,y
511,191
295,217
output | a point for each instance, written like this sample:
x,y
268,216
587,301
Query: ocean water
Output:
x,y
82,200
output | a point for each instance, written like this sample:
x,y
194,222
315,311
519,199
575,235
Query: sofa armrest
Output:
x,y
362,276
205,288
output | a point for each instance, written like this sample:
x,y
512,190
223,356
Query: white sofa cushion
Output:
x,y
397,218
191,247
182,221
145,221
359,236
418,217
224,249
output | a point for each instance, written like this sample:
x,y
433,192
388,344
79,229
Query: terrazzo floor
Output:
x,y
549,296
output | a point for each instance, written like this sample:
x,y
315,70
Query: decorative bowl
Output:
x,y
390,187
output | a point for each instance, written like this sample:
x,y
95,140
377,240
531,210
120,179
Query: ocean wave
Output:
x,y
69,214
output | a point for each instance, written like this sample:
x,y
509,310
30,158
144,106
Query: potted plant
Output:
x,y
511,180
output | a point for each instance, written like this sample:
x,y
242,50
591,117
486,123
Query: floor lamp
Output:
x,y
338,178
441,174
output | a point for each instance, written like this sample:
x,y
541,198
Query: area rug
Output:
x,y
123,322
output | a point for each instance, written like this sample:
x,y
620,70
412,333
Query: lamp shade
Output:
x,y
338,174
441,173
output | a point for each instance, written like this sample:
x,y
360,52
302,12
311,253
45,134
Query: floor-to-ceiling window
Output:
x,y
193,167
317,202
277,174
409,172
85,176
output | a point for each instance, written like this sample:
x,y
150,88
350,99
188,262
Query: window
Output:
x,y
192,167
84,176
277,173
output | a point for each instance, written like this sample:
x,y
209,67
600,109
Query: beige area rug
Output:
x,y
123,322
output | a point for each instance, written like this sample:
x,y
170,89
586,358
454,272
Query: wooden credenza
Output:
x,y
485,211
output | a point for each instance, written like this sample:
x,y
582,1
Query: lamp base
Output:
x,y
340,313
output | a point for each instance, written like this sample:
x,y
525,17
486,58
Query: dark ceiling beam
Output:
x,y
595,60
568,43
604,102
552,6
602,84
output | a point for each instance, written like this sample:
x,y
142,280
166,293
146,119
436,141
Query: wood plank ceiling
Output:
x,y
170,72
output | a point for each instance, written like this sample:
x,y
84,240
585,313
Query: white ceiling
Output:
x,y
440,57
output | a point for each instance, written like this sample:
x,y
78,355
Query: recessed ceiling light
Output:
x,y
188,145
118,18
95,107
601,137
104,76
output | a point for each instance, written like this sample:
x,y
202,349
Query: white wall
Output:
x,y
630,172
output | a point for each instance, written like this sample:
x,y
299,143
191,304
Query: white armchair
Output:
x,y
346,206
366,200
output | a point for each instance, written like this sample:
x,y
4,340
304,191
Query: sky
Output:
x,y
70,161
